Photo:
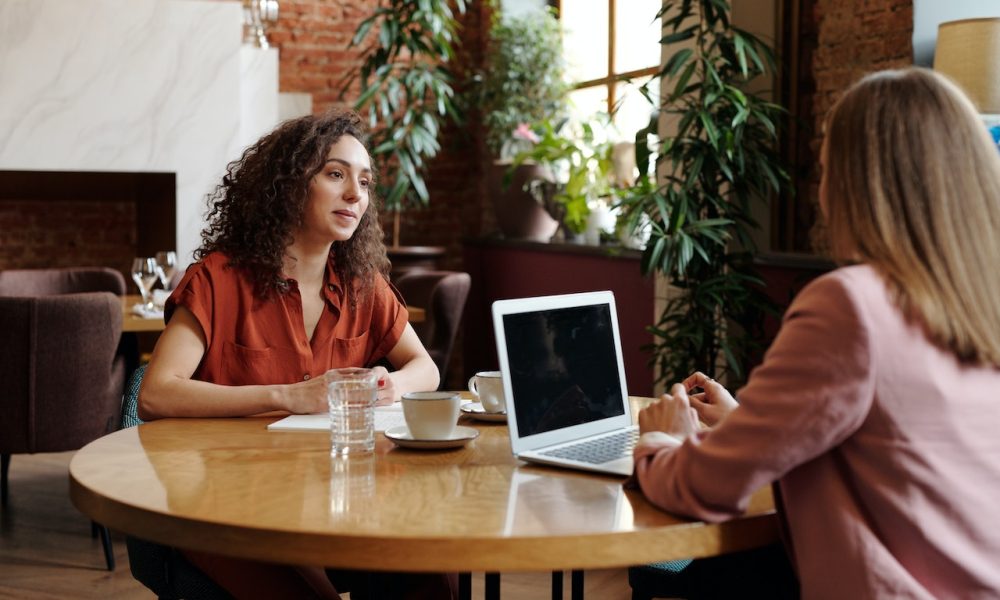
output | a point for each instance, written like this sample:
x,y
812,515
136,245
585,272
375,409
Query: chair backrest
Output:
x,y
60,371
442,294
49,282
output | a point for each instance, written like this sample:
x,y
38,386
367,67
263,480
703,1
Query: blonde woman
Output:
x,y
877,408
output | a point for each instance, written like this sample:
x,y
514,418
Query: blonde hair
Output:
x,y
912,187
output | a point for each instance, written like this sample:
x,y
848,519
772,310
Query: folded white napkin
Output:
x,y
160,298
140,310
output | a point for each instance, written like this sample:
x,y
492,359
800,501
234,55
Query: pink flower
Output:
x,y
524,132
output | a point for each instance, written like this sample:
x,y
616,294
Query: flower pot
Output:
x,y
519,215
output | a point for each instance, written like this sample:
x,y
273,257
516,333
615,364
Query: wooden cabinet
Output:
x,y
514,269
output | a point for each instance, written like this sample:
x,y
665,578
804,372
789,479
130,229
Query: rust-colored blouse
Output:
x,y
253,341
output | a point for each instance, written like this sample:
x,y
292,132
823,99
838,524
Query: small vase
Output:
x,y
519,215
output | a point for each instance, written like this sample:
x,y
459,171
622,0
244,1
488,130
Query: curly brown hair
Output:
x,y
261,201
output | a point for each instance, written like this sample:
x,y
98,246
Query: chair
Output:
x,y
60,369
442,294
161,568
52,282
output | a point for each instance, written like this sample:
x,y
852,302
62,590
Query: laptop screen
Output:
x,y
563,367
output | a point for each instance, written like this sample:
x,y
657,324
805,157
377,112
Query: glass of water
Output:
x,y
351,394
145,272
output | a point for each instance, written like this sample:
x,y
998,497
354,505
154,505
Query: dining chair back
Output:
x,y
442,295
60,369
52,282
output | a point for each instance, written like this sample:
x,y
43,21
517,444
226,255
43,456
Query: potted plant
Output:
x,y
407,93
719,159
522,83
576,171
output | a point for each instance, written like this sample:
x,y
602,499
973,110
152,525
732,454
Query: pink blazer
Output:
x,y
886,448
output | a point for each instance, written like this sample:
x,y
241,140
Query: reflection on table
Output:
x,y
230,486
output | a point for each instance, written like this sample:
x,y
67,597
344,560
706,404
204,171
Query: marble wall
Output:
x,y
133,86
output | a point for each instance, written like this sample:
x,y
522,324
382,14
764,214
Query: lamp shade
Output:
x,y
968,51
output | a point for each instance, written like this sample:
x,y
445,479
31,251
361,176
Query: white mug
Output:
x,y
431,415
487,387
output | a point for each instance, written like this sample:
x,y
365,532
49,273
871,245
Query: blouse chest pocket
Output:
x,y
350,352
242,365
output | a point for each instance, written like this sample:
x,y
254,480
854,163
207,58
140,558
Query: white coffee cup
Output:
x,y
487,387
431,415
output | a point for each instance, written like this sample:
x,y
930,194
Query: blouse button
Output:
x,y
305,377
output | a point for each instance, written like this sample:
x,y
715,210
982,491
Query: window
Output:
x,y
612,48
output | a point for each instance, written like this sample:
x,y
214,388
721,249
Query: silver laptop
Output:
x,y
564,381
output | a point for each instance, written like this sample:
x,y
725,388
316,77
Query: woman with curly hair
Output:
x,y
291,281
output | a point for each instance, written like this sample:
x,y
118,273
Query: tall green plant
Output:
x,y
523,81
719,160
406,90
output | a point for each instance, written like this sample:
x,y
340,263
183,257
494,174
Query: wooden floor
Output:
x,y
46,550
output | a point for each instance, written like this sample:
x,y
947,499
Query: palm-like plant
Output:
x,y
406,91
719,160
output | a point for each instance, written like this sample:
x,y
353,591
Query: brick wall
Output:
x,y
853,37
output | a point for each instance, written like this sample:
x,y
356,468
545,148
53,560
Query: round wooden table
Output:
x,y
230,486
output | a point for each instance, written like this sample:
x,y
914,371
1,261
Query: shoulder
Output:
x,y
855,296
855,284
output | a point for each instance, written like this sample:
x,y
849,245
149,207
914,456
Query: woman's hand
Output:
x,y
387,391
305,397
714,403
671,414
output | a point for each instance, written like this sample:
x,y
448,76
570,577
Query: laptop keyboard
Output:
x,y
598,450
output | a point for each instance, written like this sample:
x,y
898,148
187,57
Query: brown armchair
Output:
x,y
61,374
442,294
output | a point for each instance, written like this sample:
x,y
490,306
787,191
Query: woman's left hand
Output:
x,y
672,414
387,393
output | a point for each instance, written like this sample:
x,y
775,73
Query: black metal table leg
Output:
x,y
576,585
492,581
465,586
557,585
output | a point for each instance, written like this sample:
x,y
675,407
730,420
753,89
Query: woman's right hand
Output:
x,y
305,397
714,403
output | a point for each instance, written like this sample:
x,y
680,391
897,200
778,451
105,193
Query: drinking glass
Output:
x,y
351,394
145,272
167,261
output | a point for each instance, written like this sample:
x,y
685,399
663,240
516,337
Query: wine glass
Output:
x,y
167,261
145,272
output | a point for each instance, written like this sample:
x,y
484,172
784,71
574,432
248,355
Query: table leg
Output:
x,y
492,581
576,585
465,586
557,585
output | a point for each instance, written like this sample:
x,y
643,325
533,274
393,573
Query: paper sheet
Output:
x,y
386,417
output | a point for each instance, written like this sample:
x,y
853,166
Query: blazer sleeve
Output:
x,y
813,390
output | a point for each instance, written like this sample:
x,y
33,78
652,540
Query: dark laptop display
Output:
x,y
563,367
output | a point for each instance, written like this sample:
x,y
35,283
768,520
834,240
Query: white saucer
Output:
x,y
476,411
401,437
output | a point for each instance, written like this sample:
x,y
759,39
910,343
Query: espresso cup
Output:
x,y
431,415
487,387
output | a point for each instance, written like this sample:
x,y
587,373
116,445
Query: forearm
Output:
x,y
417,375
171,396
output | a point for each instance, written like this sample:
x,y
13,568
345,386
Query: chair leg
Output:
x,y
109,552
557,585
4,468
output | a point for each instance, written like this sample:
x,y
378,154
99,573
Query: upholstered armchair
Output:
x,y
61,375
442,294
